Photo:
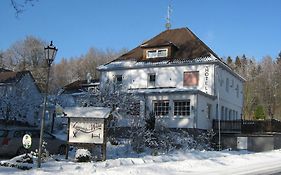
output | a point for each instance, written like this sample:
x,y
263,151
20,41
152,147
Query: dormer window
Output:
x,y
155,53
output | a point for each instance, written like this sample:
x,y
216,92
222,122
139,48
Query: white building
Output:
x,y
180,79
20,97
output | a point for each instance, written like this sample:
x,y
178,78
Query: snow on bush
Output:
x,y
165,140
45,155
83,155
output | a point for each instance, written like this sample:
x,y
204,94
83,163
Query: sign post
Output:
x,y
87,127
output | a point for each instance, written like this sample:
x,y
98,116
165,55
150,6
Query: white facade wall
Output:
x,y
230,91
31,96
216,80
166,76
171,120
203,119
23,98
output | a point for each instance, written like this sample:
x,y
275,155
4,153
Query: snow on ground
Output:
x,y
121,160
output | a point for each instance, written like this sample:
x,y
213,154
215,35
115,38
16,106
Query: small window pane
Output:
x,y
151,79
227,85
162,53
209,110
151,54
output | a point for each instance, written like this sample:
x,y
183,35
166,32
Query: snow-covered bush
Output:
x,y
83,155
45,155
163,139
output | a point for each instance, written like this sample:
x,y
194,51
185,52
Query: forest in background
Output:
x,y
262,89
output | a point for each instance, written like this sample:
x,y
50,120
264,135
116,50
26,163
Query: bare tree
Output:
x,y
20,5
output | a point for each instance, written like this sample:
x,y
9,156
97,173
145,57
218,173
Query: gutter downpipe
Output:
x,y
218,99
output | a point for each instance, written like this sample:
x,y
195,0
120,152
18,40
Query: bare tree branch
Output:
x,y
20,5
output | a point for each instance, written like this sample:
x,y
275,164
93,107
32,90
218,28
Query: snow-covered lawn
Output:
x,y
121,160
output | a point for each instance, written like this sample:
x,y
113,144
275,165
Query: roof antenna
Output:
x,y
168,19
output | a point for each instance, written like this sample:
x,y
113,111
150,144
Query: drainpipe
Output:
x,y
218,100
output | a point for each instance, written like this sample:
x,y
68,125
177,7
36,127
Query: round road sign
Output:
x,y
26,141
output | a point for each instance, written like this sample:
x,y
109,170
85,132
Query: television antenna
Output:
x,y
168,18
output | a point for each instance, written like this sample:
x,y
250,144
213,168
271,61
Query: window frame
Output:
x,y
156,54
149,82
227,84
184,110
161,110
209,110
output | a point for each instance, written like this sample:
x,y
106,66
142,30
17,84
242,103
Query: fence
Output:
x,y
248,126
232,126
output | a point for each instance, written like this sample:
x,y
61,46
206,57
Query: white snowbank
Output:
x,y
121,160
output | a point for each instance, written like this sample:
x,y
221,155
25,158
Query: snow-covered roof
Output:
x,y
87,112
125,64
168,90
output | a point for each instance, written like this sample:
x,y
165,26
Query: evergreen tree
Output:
x,y
259,113
278,59
237,62
229,60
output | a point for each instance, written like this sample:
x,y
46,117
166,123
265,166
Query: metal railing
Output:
x,y
248,126
232,126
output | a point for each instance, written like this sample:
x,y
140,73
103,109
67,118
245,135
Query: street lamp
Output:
x,y
50,54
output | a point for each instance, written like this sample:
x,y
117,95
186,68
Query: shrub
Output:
x,y
259,113
83,155
164,139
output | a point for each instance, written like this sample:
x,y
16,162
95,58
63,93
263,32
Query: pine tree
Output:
x,y
229,60
278,59
237,62
259,113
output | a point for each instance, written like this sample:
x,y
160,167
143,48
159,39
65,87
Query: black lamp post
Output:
x,y
50,54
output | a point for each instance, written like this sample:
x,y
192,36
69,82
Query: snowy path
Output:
x,y
177,163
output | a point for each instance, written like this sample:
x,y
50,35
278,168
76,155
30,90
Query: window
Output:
x,y
155,53
217,112
151,79
237,91
182,108
162,52
151,54
209,109
226,113
161,107
222,113
191,78
227,85
118,79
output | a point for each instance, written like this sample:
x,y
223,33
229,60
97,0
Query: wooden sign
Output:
x,y
86,130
